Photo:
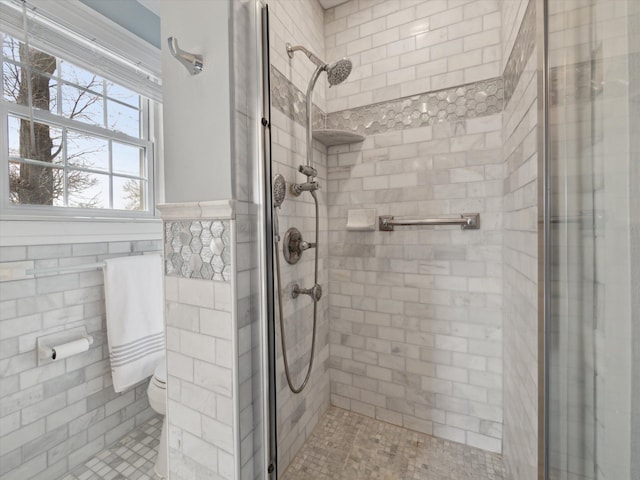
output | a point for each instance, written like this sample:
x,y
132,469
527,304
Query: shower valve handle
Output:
x,y
294,246
306,245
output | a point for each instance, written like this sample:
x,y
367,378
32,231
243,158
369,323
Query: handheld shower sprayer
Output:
x,y
336,73
279,190
294,245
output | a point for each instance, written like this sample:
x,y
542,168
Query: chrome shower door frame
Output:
x,y
266,249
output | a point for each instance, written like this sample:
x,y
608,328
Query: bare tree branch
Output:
x,y
37,184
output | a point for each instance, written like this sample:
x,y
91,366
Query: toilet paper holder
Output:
x,y
48,346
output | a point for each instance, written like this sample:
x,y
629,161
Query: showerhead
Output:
x,y
278,190
336,72
339,71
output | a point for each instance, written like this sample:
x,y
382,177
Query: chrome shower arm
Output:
x,y
311,55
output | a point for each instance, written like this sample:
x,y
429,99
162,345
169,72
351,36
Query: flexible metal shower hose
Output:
x,y
293,388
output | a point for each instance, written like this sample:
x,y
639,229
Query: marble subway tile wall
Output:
x,y
250,355
201,380
248,281
406,48
416,324
512,12
520,255
299,22
56,416
416,314
298,414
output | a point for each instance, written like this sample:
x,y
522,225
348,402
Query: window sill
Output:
x,y
23,230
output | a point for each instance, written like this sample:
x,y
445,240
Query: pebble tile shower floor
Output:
x,y
131,458
348,446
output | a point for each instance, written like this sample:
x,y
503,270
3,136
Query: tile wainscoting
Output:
x,y
55,416
211,339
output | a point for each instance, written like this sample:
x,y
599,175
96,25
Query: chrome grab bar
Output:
x,y
467,221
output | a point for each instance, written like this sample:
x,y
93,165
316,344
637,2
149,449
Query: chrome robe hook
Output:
x,y
192,62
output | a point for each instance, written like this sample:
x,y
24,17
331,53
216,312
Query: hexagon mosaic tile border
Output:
x,y
522,50
449,105
198,249
291,101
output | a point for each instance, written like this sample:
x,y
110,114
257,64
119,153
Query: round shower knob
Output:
x,y
293,246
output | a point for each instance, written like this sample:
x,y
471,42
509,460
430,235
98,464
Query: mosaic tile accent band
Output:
x,y
198,249
522,50
449,105
452,104
287,98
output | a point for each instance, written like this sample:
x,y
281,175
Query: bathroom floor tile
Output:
x,y
348,446
131,458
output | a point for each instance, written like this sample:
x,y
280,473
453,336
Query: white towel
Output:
x,y
135,325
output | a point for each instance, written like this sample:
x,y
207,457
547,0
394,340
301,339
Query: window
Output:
x,y
76,141
88,144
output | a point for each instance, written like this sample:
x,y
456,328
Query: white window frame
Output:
x,y
65,224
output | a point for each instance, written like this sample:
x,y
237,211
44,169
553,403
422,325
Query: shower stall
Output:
x,y
512,347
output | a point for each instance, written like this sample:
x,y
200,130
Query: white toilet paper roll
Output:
x,y
71,348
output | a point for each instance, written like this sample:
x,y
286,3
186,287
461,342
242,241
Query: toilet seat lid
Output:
x,y
160,373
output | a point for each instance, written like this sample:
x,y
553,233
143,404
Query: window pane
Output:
x,y
129,194
80,77
10,48
128,159
14,50
86,151
47,141
35,184
87,190
14,78
123,119
71,165
82,105
123,95
10,81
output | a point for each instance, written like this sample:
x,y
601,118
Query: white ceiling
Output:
x,y
331,3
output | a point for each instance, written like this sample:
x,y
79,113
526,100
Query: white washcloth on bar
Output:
x,y
135,325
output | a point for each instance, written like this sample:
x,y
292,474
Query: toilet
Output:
x,y
157,393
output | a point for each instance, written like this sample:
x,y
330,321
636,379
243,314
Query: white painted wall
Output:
x,y
197,119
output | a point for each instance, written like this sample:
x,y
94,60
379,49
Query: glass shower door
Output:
x,y
594,329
